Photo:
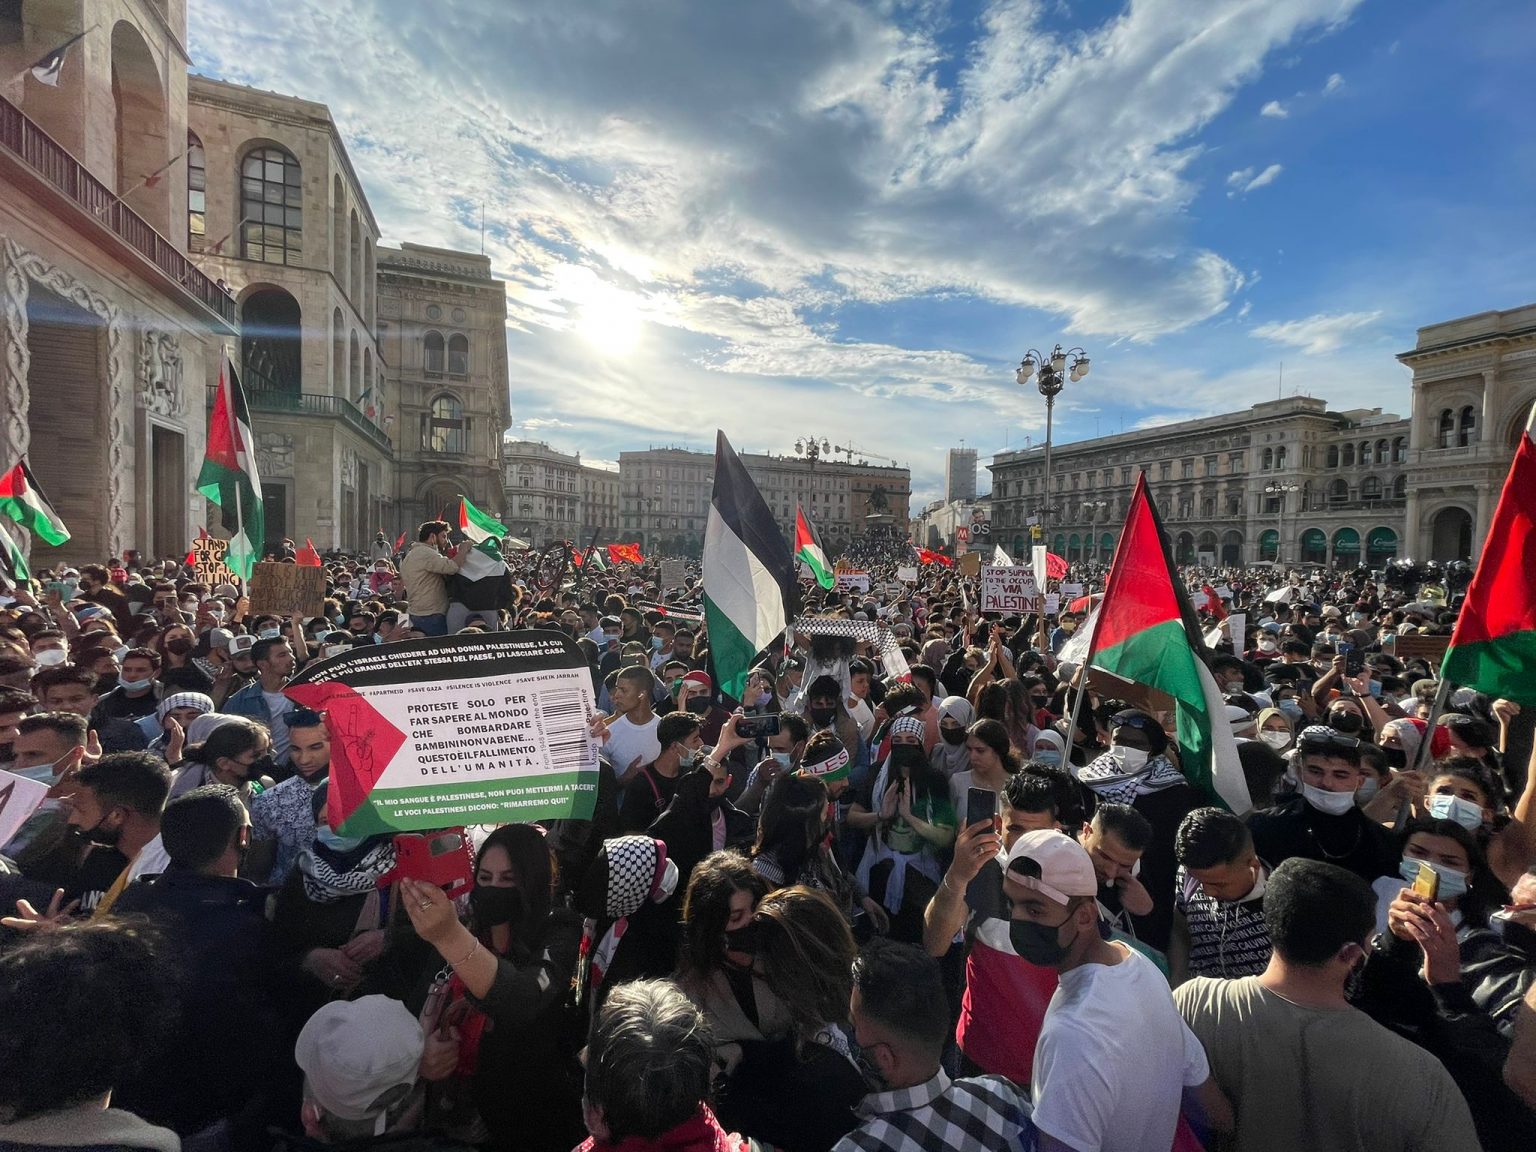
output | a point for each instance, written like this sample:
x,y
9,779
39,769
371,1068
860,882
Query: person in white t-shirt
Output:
x,y
632,741
1115,1060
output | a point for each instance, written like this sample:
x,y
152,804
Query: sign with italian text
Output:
x,y
456,730
1008,589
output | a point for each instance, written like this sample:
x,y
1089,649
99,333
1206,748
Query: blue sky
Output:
x,y
851,219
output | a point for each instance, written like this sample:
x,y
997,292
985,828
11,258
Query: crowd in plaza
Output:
x,y
958,894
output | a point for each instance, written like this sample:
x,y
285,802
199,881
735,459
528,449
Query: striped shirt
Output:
x,y
1226,939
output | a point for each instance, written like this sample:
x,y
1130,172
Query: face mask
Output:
x,y
656,643
494,906
1453,883
1376,688
1291,708
104,837
1039,944
336,842
132,687
1357,617
743,939
907,757
698,705
119,652
1131,759
1464,812
1279,741
782,759
1386,636
1367,791
822,717
1267,645
610,637
1516,936
1329,803
268,634
952,735
1347,722
50,657
1049,757
763,699
179,646
1396,758
687,758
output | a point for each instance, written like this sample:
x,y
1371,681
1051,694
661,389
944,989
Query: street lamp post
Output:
x,y
1047,372
813,449
1277,489
1091,509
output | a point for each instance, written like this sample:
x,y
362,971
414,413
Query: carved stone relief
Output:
x,y
160,373
274,455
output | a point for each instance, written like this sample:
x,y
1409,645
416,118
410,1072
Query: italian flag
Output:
x,y
229,477
23,501
750,587
1147,632
483,530
1493,648
808,549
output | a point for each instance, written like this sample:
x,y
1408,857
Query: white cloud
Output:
x,y
1275,110
1335,82
1244,181
1317,334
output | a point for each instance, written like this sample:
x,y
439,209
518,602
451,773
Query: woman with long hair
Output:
x,y
991,761
497,1033
178,673
237,751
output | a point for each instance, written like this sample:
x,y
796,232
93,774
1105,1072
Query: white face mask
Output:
x,y
1330,803
1279,741
1131,760
1367,791
782,759
50,657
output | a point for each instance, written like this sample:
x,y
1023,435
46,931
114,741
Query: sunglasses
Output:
x,y
1329,743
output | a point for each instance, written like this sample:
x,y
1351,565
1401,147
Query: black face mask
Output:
x,y
1347,722
178,647
96,834
1396,758
952,735
494,906
744,939
907,757
261,766
822,717
698,705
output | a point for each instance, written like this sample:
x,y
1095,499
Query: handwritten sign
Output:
x,y
1071,590
907,574
283,589
208,565
672,573
1010,589
1052,603
848,581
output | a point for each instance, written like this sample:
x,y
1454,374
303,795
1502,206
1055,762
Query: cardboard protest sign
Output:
x,y
672,573
19,798
1010,589
207,558
283,589
970,564
456,730
1430,648
853,581
907,573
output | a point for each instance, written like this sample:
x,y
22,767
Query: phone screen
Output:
x,y
980,804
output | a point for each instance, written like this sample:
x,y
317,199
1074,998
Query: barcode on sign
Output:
x,y
563,724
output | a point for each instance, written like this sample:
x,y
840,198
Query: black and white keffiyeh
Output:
x,y
325,884
1111,782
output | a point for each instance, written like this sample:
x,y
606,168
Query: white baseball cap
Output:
x,y
1053,864
358,1055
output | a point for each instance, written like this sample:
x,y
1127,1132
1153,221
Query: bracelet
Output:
x,y
467,958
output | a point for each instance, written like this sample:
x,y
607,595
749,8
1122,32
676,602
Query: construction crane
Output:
x,y
849,451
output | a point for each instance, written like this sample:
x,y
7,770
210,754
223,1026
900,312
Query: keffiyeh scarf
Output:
x,y
1111,782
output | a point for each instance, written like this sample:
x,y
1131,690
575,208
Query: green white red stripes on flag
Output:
x,y
808,549
1493,647
229,477
1147,632
22,499
12,561
482,529
750,588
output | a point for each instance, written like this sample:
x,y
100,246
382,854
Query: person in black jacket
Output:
x,y
221,957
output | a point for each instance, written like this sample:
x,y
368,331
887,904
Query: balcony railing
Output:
x,y
311,404
53,164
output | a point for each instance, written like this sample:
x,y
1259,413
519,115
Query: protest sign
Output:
x,y
672,573
850,581
970,564
19,798
1010,589
907,573
1071,591
1430,648
285,589
1237,629
1052,603
208,565
456,730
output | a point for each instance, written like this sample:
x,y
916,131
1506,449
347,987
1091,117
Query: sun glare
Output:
x,y
607,318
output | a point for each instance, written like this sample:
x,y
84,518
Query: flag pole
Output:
x,y
143,181
1082,687
1436,710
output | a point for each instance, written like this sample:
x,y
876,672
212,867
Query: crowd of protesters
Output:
x,y
918,908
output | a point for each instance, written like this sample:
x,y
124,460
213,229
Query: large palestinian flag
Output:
x,y
808,548
750,588
482,529
23,501
229,477
1147,632
1493,648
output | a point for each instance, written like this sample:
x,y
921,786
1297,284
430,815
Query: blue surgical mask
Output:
x,y
1375,687
336,842
1446,807
1050,757
1290,707
687,758
269,634
656,642
133,685
782,759
1452,882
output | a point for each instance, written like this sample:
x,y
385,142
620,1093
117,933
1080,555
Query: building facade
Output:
x,y
937,527
542,492
111,332
665,495
286,225
600,505
959,474
1287,480
442,323
1474,382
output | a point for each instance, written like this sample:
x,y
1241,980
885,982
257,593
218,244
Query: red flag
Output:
x,y
307,554
1055,567
202,534
926,557
400,542
1213,603
625,554
576,557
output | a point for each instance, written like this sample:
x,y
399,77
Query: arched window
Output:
x,y
432,347
1447,429
1382,455
1333,455
272,206
1399,450
338,354
1400,488
1348,456
1338,492
339,232
1268,460
1367,454
1370,488
1466,432
446,429
355,273
458,355
197,192
1280,456
357,367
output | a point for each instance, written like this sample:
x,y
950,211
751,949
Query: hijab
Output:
x,y
951,758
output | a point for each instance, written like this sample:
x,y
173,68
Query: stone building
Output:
x,y
959,474
111,333
600,503
286,225
1474,381
543,492
1287,480
938,526
442,323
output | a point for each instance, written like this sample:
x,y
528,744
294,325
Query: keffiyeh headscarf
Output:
x,y
628,871
1110,781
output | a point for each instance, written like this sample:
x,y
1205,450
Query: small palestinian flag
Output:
x,y
809,550
229,477
13,565
23,501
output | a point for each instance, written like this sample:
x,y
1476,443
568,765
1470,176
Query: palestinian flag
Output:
x,y
229,477
483,530
808,549
13,565
1147,632
1493,648
751,591
23,501
595,560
